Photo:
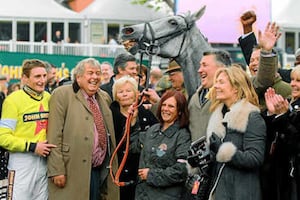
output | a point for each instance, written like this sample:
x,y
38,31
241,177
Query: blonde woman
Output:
x,y
236,133
125,92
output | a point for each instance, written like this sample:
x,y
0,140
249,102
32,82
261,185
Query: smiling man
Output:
x,y
199,104
23,132
124,65
81,125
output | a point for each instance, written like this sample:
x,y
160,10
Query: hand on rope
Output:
x,y
131,120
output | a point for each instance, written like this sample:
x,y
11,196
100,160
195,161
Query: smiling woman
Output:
x,y
164,146
235,131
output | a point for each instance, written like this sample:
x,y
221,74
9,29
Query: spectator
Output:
x,y
58,37
155,76
13,87
236,134
51,77
142,75
285,119
162,172
163,85
106,72
199,103
176,77
124,64
3,84
125,93
23,132
248,41
297,57
81,125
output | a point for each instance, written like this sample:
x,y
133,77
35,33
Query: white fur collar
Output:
x,y
236,118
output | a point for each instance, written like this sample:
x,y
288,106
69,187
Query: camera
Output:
x,y
199,154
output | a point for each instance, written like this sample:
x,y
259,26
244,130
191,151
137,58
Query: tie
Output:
x,y
98,120
203,95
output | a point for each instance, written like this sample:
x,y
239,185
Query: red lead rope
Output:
x,y
126,137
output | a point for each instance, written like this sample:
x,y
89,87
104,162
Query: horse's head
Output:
x,y
163,37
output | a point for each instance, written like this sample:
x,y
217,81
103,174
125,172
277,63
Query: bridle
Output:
x,y
153,45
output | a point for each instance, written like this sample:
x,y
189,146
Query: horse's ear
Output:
x,y
199,13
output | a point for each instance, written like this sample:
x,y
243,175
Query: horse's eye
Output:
x,y
173,22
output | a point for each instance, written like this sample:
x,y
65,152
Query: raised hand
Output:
x,y
269,37
247,19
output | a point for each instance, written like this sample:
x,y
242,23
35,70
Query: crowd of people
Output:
x,y
70,141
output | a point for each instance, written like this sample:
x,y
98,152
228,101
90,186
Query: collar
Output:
x,y
32,93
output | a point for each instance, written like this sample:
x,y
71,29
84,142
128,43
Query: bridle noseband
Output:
x,y
152,45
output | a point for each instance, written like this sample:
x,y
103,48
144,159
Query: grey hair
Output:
x,y
222,56
80,67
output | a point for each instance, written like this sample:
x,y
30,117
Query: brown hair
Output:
x,y
29,64
182,108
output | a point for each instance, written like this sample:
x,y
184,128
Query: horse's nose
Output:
x,y
127,30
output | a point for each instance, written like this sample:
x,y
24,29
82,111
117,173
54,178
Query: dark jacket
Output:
x,y
238,159
286,153
130,170
107,87
161,153
247,44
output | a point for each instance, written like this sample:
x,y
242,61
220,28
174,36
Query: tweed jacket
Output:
x,y
199,115
71,128
242,131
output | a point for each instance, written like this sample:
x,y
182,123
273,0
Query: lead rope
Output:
x,y
126,137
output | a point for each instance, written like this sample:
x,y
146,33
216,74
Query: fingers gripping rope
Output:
x,y
125,138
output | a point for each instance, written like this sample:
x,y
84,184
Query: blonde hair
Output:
x,y
240,80
295,74
121,81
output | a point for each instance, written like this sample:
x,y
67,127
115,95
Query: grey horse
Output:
x,y
171,37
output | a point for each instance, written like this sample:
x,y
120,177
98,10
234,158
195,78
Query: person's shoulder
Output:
x,y
63,90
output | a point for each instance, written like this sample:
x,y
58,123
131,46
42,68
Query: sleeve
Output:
x,y
266,73
8,125
176,172
252,154
288,125
57,107
247,45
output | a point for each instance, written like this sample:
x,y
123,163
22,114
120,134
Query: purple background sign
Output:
x,y
220,22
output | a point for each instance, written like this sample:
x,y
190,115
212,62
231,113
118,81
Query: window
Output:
x,y
5,30
22,31
113,32
40,31
289,42
57,32
74,32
